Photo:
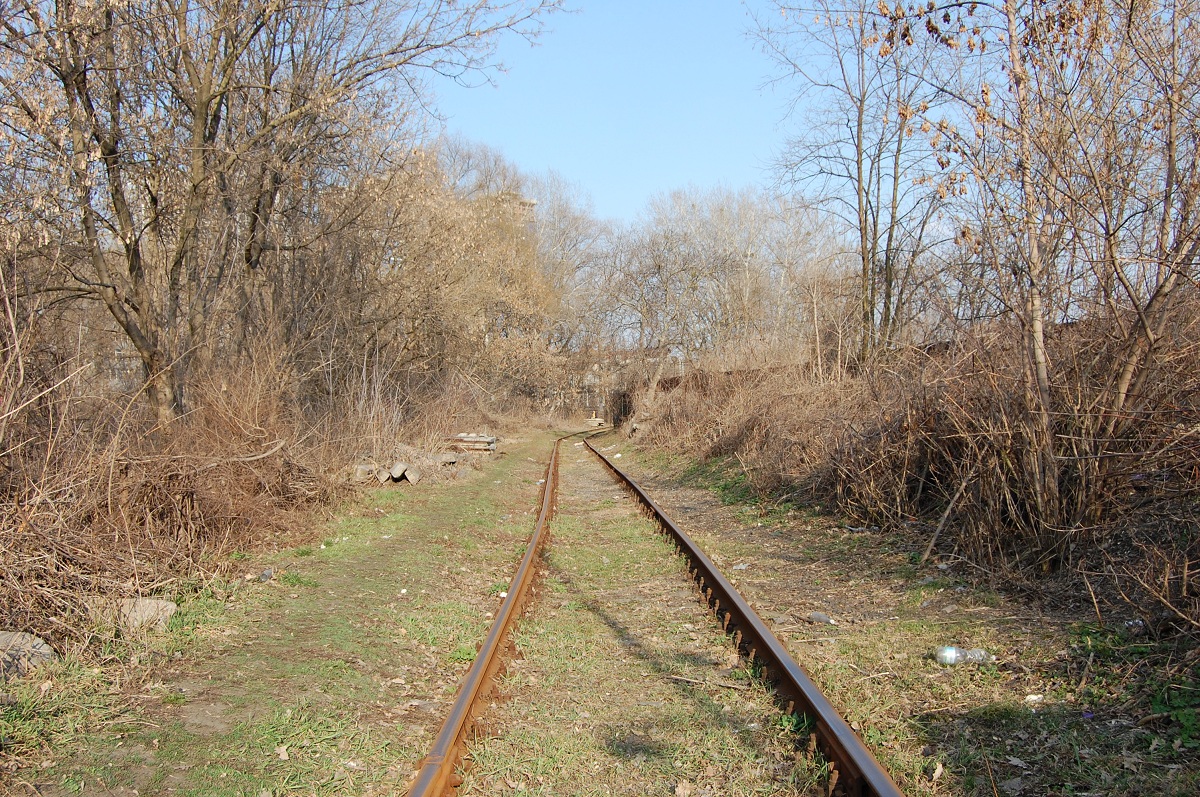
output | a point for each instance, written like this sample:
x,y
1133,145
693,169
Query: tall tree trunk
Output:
x,y
1038,395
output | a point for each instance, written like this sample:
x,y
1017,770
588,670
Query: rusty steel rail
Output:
x,y
853,770
437,776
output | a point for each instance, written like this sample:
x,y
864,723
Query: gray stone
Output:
x,y
153,614
131,614
397,470
363,472
413,475
1013,786
21,653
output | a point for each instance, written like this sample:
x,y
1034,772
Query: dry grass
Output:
x,y
95,499
1114,712
943,441
97,504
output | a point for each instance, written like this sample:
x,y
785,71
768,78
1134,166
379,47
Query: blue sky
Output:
x,y
629,99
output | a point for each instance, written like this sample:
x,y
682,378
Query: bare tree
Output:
x,y
166,135
860,154
571,243
1075,125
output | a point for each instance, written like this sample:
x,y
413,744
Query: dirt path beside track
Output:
x,y
1062,710
330,677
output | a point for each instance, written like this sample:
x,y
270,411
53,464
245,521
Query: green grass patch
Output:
x,y
725,477
293,579
463,654
358,657
55,706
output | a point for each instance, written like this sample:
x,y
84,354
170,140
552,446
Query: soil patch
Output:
x,y
1067,707
327,668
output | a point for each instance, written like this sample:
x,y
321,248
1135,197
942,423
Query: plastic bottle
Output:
x,y
952,654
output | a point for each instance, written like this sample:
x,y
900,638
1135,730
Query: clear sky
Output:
x,y
630,98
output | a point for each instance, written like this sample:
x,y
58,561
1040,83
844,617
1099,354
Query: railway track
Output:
x,y
852,768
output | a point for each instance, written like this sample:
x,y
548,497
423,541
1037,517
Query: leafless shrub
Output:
x,y
776,422
1155,563
105,504
942,437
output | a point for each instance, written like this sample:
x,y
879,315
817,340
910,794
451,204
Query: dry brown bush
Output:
x,y
97,499
940,437
102,504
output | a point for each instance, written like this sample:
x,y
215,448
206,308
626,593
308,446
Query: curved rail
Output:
x,y
437,776
853,770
